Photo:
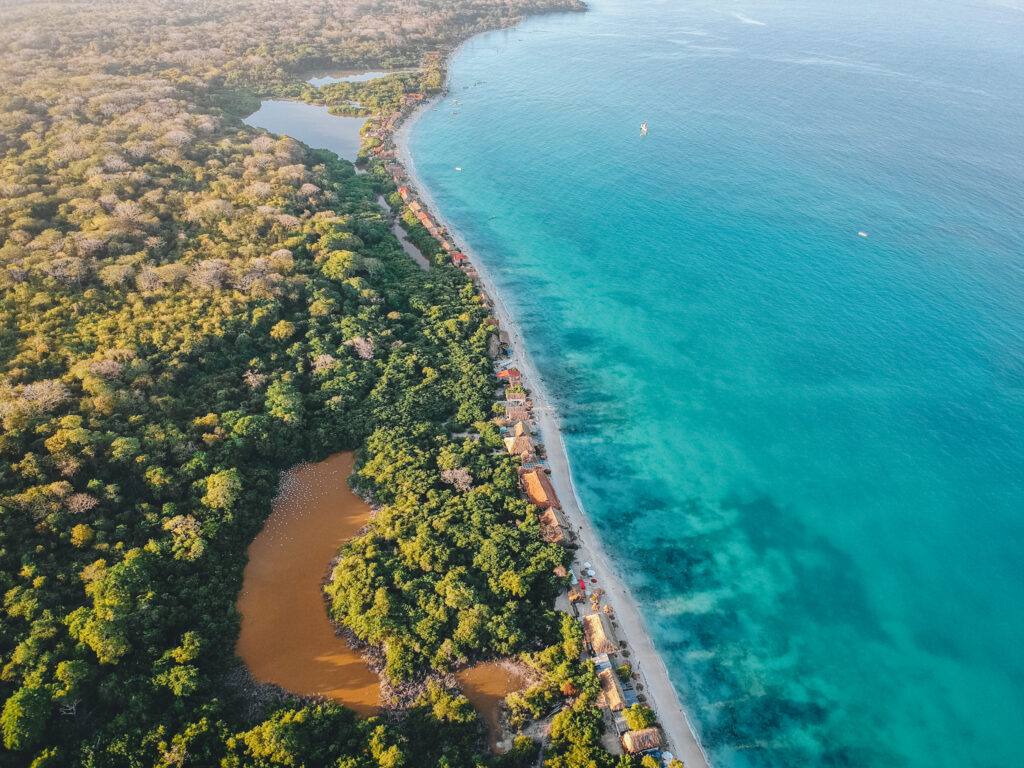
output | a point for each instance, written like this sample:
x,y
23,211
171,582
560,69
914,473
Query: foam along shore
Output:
x,y
661,695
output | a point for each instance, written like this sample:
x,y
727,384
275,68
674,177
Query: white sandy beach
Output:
x,y
661,695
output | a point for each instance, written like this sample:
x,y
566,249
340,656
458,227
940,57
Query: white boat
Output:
x,y
643,128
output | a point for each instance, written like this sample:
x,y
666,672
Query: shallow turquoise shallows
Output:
x,y
804,446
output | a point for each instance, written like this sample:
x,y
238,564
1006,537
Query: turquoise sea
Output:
x,y
805,447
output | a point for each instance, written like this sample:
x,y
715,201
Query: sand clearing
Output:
x,y
286,637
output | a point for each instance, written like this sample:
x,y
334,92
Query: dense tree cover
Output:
x,y
444,576
188,307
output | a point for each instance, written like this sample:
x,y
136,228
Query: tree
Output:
x,y
24,718
222,489
639,717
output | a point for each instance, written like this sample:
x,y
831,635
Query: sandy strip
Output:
x,y
682,741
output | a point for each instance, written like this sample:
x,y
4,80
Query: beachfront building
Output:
x,y
459,258
636,742
538,489
550,530
511,377
521,428
517,446
597,633
552,527
404,193
612,695
515,397
516,413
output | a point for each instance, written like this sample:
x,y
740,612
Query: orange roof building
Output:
x,y
539,490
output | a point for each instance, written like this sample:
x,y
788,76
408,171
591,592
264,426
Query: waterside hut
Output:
x,y
518,445
550,530
539,490
598,634
612,695
515,413
636,742
515,398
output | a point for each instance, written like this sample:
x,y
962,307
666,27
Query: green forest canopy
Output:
x,y
187,307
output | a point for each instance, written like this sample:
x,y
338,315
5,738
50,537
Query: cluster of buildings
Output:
x,y
520,438
616,695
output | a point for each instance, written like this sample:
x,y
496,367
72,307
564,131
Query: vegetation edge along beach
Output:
x,y
189,308
682,736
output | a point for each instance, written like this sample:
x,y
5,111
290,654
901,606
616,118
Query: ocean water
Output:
x,y
805,447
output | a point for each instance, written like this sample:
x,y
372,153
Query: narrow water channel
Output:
x,y
286,637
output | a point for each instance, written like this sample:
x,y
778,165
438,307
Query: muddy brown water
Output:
x,y
286,637
486,686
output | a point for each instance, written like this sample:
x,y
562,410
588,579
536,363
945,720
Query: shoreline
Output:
x,y
681,738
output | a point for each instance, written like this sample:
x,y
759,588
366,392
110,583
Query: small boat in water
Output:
x,y
643,128
863,234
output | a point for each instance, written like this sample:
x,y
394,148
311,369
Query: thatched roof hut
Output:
x,y
612,695
539,490
560,571
550,530
517,446
640,741
598,633
516,413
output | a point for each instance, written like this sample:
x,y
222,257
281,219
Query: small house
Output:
x,y
550,530
515,397
516,413
611,696
598,634
636,742
539,490
516,446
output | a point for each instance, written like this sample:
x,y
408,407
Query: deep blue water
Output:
x,y
806,446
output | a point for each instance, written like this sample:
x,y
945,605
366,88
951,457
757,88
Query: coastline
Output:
x,y
662,696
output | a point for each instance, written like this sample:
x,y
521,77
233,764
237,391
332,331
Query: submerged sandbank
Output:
x,y
286,637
